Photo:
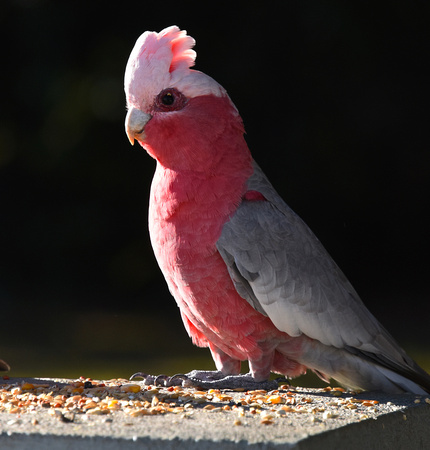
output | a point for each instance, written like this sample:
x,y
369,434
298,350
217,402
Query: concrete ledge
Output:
x,y
310,419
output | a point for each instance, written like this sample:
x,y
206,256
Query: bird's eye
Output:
x,y
169,99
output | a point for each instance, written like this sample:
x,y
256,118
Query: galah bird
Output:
x,y
251,280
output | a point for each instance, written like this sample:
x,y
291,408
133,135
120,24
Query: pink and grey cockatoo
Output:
x,y
251,280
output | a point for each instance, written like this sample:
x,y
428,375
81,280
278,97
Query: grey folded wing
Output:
x,y
279,266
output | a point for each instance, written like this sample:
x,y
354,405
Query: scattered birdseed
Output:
x,y
84,397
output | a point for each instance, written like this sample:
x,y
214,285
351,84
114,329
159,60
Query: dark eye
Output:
x,y
169,99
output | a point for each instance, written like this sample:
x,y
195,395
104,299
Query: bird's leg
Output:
x,y
225,364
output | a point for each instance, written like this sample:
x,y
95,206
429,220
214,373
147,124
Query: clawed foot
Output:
x,y
160,380
216,380
209,380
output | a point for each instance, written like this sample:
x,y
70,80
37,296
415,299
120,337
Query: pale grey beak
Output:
x,y
135,122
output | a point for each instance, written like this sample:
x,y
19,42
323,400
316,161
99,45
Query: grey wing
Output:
x,y
279,266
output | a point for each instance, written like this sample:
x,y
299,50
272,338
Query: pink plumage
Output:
x,y
251,280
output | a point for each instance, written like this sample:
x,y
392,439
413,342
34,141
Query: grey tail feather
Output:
x,y
409,370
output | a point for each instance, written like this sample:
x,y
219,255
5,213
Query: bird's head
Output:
x,y
176,113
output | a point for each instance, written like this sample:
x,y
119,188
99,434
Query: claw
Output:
x,y
160,380
147,379
177,380
139,375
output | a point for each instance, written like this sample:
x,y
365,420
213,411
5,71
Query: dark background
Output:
x,y
334,96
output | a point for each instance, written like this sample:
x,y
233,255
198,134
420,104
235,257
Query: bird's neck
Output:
x,y
187,194
197,204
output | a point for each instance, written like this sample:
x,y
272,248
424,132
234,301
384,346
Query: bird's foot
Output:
x,y
216,380
208,379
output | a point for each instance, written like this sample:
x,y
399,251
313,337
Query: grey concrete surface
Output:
x,y
395,422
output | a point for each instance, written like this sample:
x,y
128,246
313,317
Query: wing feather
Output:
x,y
279,266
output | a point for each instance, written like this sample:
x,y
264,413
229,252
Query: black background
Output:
x,y
335,99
